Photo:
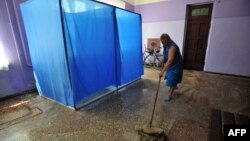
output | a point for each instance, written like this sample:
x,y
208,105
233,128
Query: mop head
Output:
x,y
148,133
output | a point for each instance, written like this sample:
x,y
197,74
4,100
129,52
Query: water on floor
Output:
x,y
117,116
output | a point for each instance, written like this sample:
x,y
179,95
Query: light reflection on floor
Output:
x,y
116,117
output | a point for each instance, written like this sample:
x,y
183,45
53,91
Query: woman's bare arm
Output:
x,y
171,55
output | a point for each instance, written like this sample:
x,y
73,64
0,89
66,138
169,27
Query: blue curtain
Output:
x,y
83,51
90,31
45,38
130,65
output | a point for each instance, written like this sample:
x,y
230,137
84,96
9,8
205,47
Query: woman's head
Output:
x,y
165,38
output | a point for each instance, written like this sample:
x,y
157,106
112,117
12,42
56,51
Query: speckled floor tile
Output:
x,y
115,117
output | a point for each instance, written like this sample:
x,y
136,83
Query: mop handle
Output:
x,y
152,116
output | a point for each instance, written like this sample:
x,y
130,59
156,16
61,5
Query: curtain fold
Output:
x,y
45,39
91,47
129,46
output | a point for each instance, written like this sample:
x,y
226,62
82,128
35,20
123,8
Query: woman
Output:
x,y
173,64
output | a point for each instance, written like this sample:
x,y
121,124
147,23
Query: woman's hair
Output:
x,y
165,36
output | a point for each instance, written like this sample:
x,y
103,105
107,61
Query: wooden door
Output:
x,y
197,31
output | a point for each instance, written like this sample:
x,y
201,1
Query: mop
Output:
x,y
148,132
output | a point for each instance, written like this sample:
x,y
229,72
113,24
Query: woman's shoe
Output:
x,y
168,98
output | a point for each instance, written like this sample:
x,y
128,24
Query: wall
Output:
x,y
129,7
228,47
117,3
138,2
226,53
19,77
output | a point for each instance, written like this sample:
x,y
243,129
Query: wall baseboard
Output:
x,y
17,94
226,74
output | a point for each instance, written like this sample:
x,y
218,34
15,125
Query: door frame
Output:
x,y
188,7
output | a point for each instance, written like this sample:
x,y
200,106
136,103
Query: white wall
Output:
x,y
117,3
229,46
174,28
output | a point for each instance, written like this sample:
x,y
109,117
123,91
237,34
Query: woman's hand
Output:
x,y
161,73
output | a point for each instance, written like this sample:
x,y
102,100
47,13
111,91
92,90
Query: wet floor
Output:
x,y
117,116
